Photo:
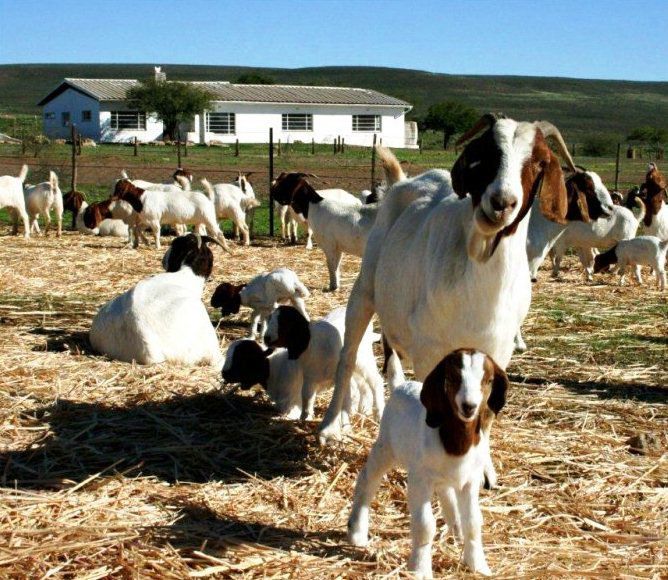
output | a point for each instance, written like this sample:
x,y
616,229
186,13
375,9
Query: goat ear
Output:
x,y
578,208
500,383
457,176
299,338
552,191
432,396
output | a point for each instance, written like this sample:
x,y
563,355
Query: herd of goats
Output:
x,y
448,258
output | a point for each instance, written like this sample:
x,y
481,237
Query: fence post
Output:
x,y
278,152
420,145
312,146
236,148
78,143
343,145
73,135
573,150
335,145
271,179
185,147
619,148
373,164
136,151
178,149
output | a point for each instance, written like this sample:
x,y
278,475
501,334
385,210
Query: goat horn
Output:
x,y
549,130
209,239
487,120
313,175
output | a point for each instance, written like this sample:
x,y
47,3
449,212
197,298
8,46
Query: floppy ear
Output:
x,y
457,176
432,396
553,195
578,207
497,398
299,337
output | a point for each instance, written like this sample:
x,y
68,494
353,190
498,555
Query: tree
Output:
x,y
647,134
254,79
450,117
173,102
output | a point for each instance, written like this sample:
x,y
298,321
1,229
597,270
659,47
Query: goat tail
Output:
x,y
643,209
391,166
183,182
53,181
301,290
392,365
124,174
23,174
208,188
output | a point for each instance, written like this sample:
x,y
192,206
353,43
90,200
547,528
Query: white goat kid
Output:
x,y
641,251
162,318
444,270
11,197
263,294
433,430
340,222
41,199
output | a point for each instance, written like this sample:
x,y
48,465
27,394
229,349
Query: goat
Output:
x,y
11,197
587,196
636,252
263,294
40,199
600,233
231,202
444,270
434,431
181,181
111,217
340,222
656,196
162,318
294,375
156,207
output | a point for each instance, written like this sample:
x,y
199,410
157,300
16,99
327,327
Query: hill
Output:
x,y
577,106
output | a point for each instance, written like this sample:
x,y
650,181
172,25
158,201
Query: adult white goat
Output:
x,y
340,222
156,207
231,202
656,194
41,199
11,197
163,318
445,271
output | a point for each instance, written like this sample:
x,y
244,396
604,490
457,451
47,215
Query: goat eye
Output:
x,y
474,164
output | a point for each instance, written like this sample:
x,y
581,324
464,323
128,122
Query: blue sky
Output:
x,y
585,39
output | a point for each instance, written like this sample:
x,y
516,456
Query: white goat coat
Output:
x,y
11,197
41,199
161,319
267,290
108,227
659,225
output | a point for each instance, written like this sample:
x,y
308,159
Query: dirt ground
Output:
x,y
117,470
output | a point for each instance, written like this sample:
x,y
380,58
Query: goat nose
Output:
x,y
468,409
501,201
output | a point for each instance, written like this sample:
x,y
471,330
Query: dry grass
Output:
x,y
110,469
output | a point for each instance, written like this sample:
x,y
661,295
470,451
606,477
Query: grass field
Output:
x,y
117,470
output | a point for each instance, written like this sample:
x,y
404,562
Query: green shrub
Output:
x,y
600,145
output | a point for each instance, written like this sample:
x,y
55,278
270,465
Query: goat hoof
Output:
x,y
489,483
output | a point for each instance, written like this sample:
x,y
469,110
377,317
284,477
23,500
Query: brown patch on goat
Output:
x,y
655,191
96,212
127,191
438,397
227,297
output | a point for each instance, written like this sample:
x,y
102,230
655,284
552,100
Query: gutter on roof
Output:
x,y
404,105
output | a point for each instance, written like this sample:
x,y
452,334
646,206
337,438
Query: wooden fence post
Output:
x,y
334,145
185,147
343,145
178,149
420,145
279,148
373,164
236,148
619,148
312,146
271,179
73,135
136,151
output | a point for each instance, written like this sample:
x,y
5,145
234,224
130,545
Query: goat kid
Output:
x,y
641,251
41,199
435,431
263,294
162,318
11,197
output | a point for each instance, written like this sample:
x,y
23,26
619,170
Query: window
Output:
x,y
222,123
65,119
297,122
86,116
366,123
128,120
51,115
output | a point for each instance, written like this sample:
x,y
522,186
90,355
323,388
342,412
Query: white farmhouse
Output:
x,y
245,112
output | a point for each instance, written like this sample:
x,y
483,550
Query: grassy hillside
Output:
x,y
578,106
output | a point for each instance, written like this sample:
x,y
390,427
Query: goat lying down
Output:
x,y
162,318
294,375
263,294
444,270
434,431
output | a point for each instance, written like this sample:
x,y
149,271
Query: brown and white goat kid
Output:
x,y
434,431
442,270
656,202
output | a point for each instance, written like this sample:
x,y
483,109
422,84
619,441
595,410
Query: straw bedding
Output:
x,y
116,470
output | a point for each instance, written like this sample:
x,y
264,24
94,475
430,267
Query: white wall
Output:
x,y
72,102
108,135
329,122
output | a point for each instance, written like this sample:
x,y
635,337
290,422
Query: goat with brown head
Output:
x,y
293,189
654,189
96,212
227,297
190,250
127,191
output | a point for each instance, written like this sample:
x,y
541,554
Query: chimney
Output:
x,y
159,75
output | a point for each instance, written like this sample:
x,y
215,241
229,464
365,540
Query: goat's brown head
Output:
x,y
96,212
227,297
294,190
654,190
190,250
129,192
182,172
588,198
502,170
459,395
246,364
73,200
